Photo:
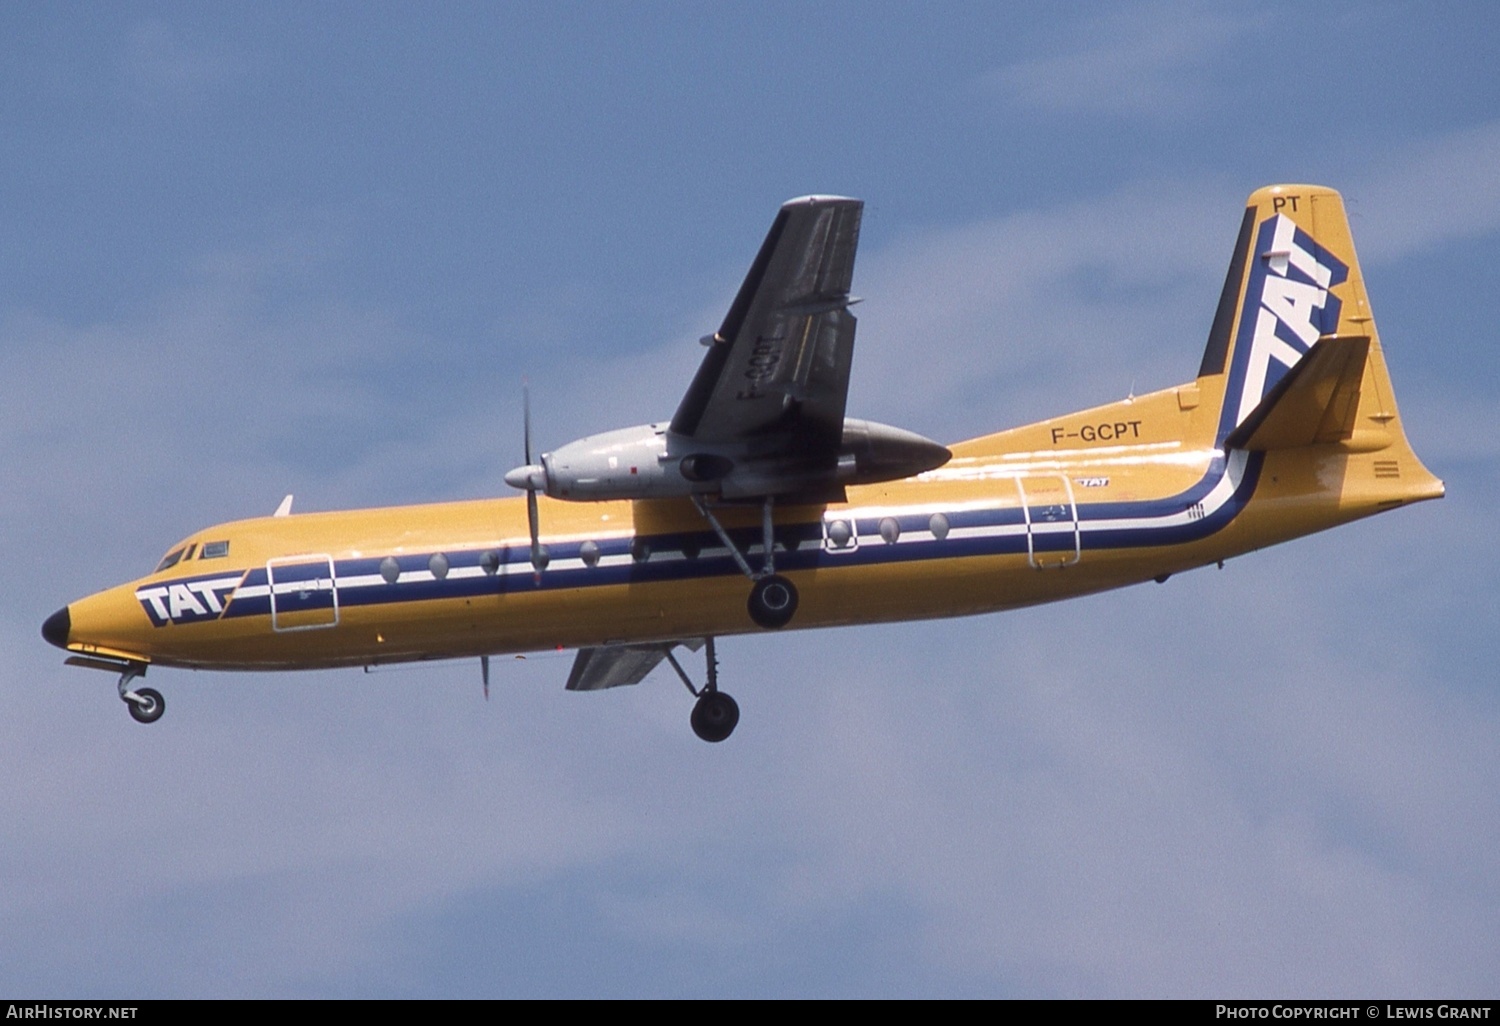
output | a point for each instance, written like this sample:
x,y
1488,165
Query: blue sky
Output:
x,y
316,248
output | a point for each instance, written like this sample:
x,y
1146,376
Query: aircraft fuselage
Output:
x,y
1290,427
1077,504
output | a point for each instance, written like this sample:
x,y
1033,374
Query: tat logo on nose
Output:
x,y
189,600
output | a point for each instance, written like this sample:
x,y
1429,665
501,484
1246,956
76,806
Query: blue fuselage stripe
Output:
x,y
675,556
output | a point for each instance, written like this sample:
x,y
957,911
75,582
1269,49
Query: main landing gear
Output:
x,y
145,704
773,601
773,598
715,714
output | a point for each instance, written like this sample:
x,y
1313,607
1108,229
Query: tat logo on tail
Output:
x,y
1287,307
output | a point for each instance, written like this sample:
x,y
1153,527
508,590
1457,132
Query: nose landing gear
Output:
x,y
145,704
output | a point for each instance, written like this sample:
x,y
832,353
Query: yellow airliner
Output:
x,y
632,543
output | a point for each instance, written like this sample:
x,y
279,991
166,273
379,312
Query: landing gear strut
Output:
x,y
773,598
715,714
145,704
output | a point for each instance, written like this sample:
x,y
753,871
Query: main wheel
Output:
x,y
773,602
715,716
149,707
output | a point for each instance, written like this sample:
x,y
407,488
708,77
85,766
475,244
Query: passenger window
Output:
x,y
214,550
168,561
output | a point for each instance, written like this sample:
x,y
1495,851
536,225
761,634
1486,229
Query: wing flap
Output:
x,y
613,666
1314,403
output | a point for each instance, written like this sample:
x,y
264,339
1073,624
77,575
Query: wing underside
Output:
x,y
612,666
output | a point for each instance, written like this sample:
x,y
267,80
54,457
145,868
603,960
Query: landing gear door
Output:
x,y
1052,539
304,596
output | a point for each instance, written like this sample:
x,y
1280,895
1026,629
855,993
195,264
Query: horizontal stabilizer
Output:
x,y
1314,403
610,666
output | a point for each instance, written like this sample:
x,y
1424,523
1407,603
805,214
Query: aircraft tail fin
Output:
x,y
1293,351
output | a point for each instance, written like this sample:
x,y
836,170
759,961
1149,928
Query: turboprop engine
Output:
x,y
649,461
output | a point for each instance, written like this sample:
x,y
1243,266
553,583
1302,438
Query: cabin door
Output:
x,y
304,596
1052,538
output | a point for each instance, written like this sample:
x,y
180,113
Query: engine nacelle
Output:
x,y
628,463
884,453
650,462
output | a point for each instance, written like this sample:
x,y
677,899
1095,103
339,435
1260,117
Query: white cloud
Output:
x,y
1142,61
1433,190
993,325
159,62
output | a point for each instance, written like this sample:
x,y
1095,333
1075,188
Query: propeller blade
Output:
x,y
526,420
528,477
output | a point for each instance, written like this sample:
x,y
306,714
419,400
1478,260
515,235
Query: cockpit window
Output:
x,y
214,550
168,561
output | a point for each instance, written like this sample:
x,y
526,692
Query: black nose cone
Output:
x,y
57,626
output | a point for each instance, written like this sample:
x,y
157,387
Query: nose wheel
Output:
x,y
145,704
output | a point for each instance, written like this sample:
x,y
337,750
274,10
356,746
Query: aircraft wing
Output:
x,y
777,370
610,666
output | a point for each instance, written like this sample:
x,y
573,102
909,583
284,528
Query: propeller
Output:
x,y
530,476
